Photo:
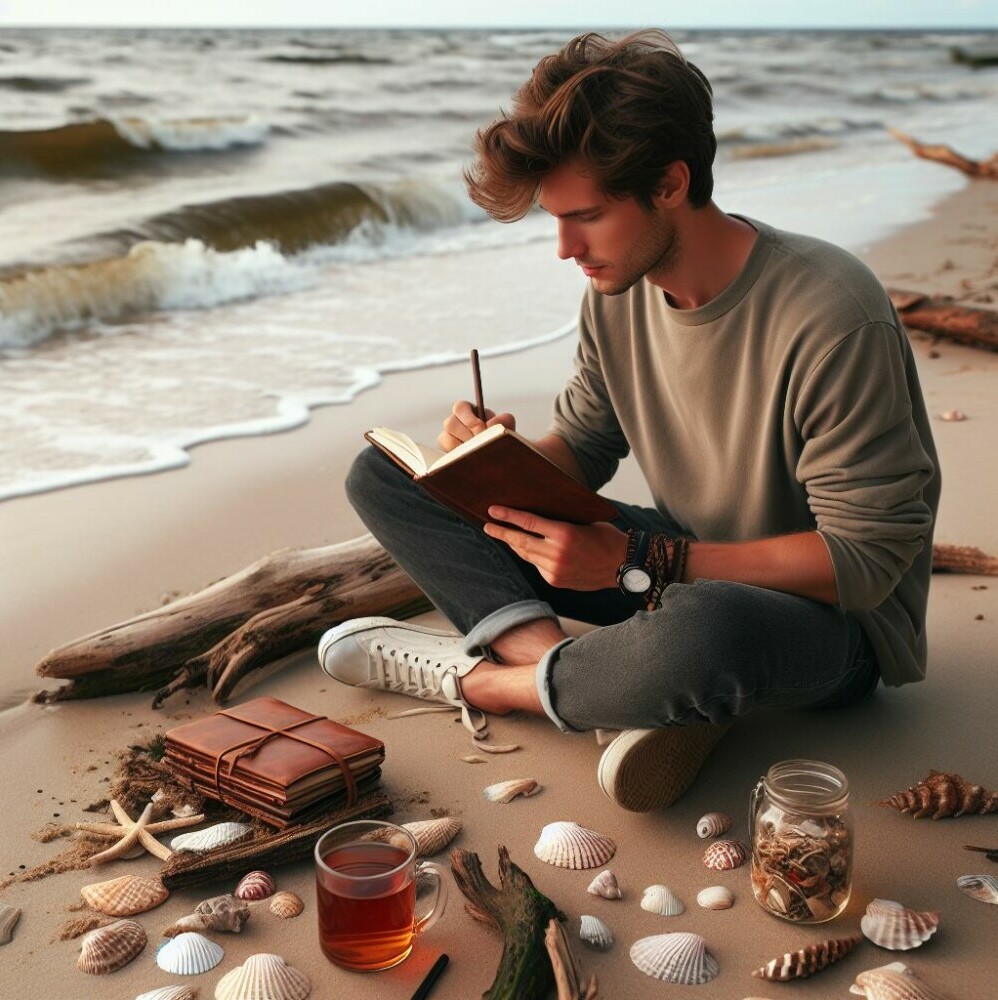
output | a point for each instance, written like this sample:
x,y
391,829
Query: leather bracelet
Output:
x,y
666,564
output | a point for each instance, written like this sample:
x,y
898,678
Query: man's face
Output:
x,y
615,241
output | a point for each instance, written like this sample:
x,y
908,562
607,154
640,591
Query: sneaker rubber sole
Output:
x,y
354,625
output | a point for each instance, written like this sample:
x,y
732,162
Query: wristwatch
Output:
x,y
632,576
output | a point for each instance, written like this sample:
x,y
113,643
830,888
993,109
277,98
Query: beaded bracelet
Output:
x,y
666,563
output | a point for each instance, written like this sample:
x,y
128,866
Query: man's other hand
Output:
x,y
462,424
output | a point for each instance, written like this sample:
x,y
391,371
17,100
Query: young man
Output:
x,y
767,389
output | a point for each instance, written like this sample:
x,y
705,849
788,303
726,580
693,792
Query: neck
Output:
x,y
713,249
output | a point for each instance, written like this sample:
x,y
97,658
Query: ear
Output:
x,y
674,185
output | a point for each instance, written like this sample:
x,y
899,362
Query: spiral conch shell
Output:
x,y
680,958
594,932
889,924
807,960
568,845
723,855
107,949
892,982
125,896
661,899
982,887
263,977
942,794
219,913
713,825
605,885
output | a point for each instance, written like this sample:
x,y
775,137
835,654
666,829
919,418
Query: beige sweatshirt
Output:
x,y
790,402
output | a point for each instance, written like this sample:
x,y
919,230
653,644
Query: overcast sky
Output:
x,y
508,13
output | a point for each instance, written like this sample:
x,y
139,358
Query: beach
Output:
x,y
81,558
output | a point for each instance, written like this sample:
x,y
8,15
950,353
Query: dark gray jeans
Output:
x,y
713,651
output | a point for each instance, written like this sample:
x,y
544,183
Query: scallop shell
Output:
x,y
213,836
941,794
723,855
287,905
568,845
108,948
982,887
716,897
9,916
263,977
661,899
889,924
189,954
713,825
594,932
432,835
506,791
172,993
605,885
255,885
125,896
680,957
892,982
807,960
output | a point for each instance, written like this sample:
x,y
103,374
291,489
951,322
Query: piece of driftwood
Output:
x,y
567,979
942,317
521,915
218,636
963,559
186,868
946,154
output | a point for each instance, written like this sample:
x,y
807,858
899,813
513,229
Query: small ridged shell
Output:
x,y
605,885
661,899
506,791
9,916
594,932
263,977
723,855
892,982
431,835
982,887
680,958
890,925
172,993
716,897
808,960
568,845
287,905
109,948
713,825
125,896
214,836
189,955
255,885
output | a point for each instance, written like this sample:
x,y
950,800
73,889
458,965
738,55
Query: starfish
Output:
x,y
131,830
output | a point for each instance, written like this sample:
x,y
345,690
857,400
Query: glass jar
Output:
x,y
802,841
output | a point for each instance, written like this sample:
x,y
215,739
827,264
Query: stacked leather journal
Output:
x,y
273,760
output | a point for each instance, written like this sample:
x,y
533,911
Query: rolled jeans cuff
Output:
x,y
544,668
478,642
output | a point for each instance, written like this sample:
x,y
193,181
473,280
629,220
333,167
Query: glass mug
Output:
x,y
368,889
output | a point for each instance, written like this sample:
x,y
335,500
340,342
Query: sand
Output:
x,y
83,558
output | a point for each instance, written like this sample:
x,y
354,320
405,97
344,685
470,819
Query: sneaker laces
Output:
x,y
403,673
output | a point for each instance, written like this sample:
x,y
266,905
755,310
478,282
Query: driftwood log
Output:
x,y
521,914
218,636
942,317
566,973
946,154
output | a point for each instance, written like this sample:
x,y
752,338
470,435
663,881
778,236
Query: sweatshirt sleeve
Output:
x,y
863,463
584,416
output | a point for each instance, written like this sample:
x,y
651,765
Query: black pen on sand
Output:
x,y
432,976
476,372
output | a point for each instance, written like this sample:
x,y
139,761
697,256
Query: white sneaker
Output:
x,y
407,659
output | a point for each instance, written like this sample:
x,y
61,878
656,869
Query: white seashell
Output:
x,y
890,925
125,896
982,887
109,948
952,415
892,982
713,825
9,916
506,791
431,835
189,954
680,958
287,905
661,899
594,932
213,836
172,993
723,855
716,897
605,885
263,977
568,845
255,885
497,747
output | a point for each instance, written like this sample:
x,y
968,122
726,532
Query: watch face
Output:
x,y
636,580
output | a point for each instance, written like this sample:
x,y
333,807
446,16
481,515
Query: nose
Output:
x,y
570,243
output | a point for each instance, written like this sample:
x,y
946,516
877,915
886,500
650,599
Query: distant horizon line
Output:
x,y
500,27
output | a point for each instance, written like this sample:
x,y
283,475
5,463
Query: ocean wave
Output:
x,y
777,131
339,59
81,146
42,84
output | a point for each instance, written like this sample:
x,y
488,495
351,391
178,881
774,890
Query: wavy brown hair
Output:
x,y
627,109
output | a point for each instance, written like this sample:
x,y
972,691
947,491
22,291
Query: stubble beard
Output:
x,y
653,256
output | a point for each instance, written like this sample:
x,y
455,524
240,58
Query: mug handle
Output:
x,y
430,871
